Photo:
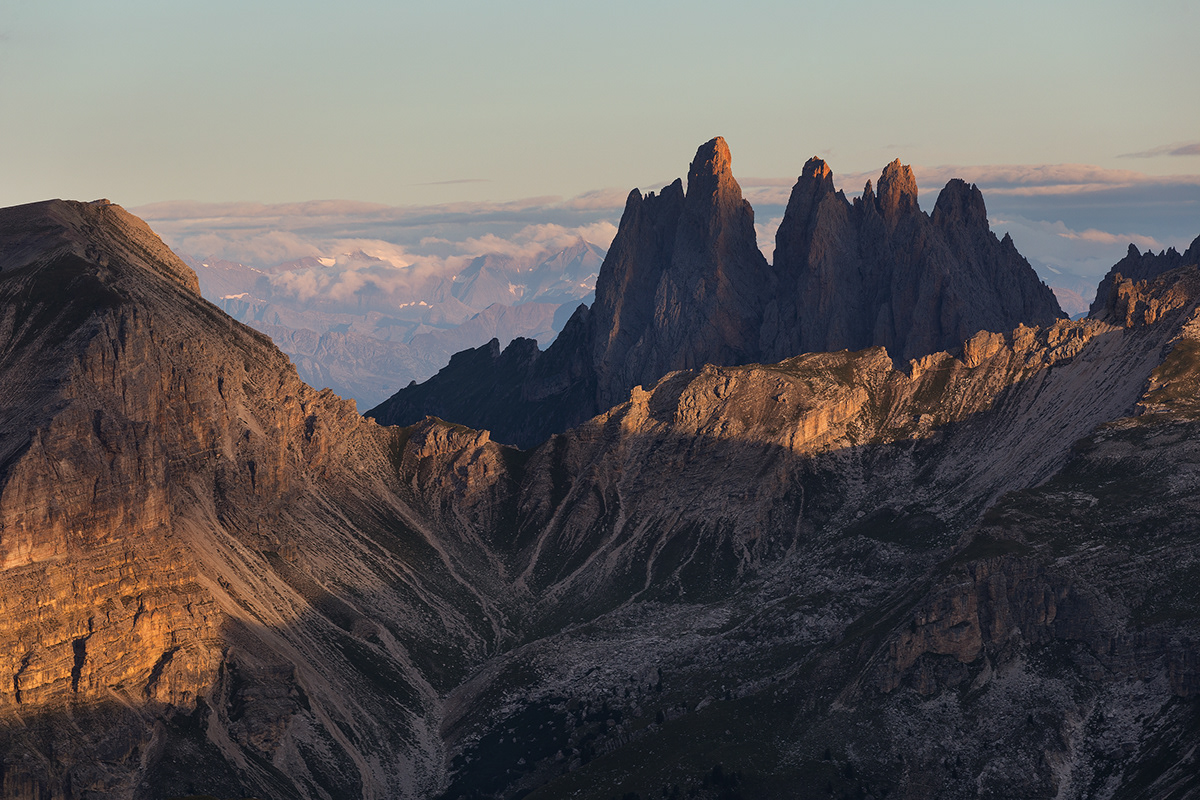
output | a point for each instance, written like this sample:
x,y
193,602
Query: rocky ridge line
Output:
x,y
684,284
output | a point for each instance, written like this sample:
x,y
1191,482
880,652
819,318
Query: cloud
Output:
x,y
1187,149
345,256
1120,239
383,272
765,232
453,182
257,247
756,182
263,235
768,195
535,240
607,199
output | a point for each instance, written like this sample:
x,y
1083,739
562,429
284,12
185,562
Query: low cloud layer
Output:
x,y
395,252
1072,221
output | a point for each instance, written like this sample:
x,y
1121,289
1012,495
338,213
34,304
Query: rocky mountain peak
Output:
x,y
100,231
867,201
684,284
1192,254
815,169
712,159
812,187
897,190
960,203
815,181
1139,266
710,185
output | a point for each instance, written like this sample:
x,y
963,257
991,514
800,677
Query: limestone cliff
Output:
x,y
210,578
684,284
879,271
1139,266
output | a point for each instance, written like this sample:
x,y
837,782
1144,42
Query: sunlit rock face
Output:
x,y
684,284
1138,266
972,575
210,578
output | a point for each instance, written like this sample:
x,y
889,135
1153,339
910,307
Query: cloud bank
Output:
x,y
1072,221
350,249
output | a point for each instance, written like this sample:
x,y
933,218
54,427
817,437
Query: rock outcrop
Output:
x,y
684,284
881,272
1139,266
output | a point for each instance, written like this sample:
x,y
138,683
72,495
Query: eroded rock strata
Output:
x,y
684,284
971,576
211,579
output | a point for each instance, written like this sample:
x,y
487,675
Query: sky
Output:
x,y
416,105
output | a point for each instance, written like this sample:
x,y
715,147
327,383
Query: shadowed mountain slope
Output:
x,y
684,284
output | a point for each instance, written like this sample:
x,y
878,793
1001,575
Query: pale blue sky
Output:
x,y
389,102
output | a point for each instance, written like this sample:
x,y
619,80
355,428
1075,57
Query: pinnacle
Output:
x,y
897,189
816,168
960,203
712,158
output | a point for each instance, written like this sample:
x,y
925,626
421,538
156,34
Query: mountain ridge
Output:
x,y
685,284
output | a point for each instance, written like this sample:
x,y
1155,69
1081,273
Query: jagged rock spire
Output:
x,y
897,190
960,203
684,284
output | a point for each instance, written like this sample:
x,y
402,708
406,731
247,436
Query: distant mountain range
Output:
x,y
364,343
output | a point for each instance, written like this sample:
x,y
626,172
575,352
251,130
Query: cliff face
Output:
x,y
881,272
1138,266
684,284
210,578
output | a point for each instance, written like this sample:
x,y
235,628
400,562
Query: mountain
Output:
x,y
365,367
486,280
684,284
567,276
881,272
823,576
1140,266
212,578
398,329
828,577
